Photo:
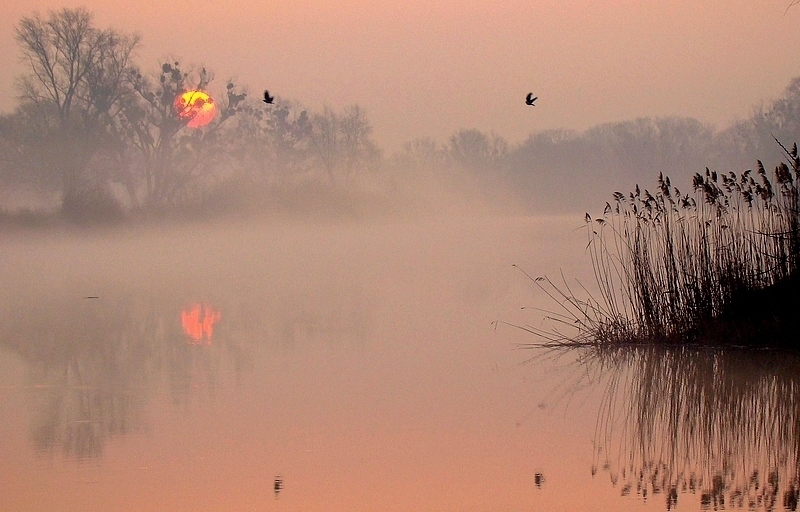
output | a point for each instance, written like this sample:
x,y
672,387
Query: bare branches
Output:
x,y
342,143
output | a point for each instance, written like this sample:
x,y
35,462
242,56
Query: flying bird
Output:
x,y
530,99
268,99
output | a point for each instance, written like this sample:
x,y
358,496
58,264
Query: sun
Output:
x,y
197,107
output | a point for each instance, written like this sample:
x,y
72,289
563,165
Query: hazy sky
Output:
x,y
431,67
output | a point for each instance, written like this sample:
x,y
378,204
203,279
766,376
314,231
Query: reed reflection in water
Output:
x,y
346,358
721,425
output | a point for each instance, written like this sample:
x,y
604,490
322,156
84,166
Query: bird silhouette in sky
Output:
x,y
530,99
268,99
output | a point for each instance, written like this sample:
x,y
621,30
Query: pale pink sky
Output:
x,y
431,67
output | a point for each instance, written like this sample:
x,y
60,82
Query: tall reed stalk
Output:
x,y
671,267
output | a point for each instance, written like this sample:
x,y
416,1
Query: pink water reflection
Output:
x,y
198,321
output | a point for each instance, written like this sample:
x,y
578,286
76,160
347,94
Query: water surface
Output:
x,y
359,362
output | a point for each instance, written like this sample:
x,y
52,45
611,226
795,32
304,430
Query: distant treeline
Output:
x,y
99,137
566,170
103,136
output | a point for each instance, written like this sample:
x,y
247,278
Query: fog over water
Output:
x,y
358,360
330,302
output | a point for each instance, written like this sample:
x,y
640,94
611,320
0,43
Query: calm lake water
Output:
x,y
359,363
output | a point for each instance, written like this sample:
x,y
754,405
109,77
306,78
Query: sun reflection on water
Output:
x,y
198,321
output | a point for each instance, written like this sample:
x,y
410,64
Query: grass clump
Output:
x,y
719,266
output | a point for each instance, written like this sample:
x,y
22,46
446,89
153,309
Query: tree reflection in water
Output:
x,y
93,363
723,425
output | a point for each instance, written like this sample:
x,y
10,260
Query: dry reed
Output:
x,y
716,267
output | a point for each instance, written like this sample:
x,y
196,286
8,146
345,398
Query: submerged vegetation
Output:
x,y
719,267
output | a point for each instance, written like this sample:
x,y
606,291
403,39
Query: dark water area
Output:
x,y
358,366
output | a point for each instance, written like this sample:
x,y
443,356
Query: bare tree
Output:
x,y
342,144
326,141
271,143
422,154
169,161
360,153
477,152
75,79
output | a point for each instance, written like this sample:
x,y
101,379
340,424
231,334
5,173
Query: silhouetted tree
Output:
x,y
482,160
172,161
75,80
477,152
25,156
342,144
271,144
423,153
564,168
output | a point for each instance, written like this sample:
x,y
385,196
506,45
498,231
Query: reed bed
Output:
x,y
719,266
